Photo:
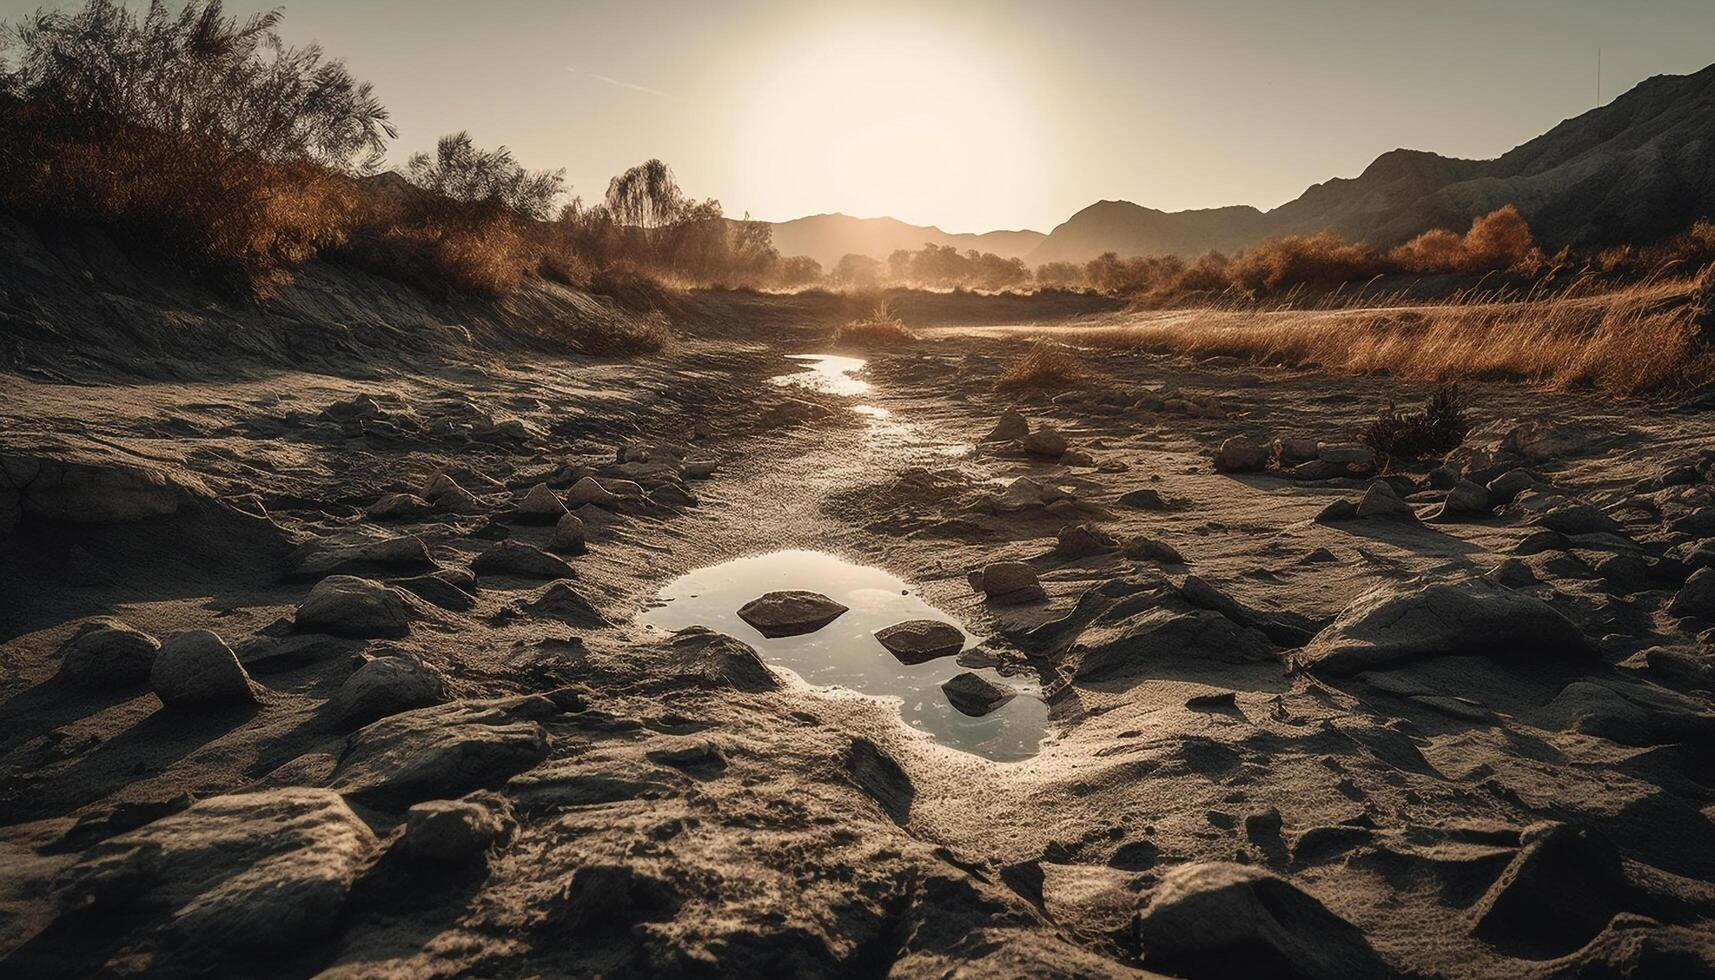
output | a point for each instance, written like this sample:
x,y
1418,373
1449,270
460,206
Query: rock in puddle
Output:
x,y
921,640
790,612
975,695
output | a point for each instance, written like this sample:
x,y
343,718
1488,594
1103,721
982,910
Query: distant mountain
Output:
x,y
828,237
1635,170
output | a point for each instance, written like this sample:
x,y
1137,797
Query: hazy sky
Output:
x,y
980,115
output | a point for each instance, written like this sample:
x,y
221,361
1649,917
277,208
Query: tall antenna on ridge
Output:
x,y
1598,78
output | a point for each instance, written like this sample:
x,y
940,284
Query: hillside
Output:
x,y
827,237
1635,170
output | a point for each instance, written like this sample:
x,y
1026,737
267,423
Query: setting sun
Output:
x,y
887,116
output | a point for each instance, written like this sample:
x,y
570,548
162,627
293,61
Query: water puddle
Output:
x,y
845,653
829,373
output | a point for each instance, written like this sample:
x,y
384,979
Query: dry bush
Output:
x,y
880,329
1637,340
1436,430
1321,261
1496,241
1047,366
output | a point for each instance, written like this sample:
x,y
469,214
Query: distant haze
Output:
x,y
993,115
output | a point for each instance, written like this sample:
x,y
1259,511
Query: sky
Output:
x,y
982,115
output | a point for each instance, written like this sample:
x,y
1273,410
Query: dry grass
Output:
x,y
1047,366
1639,340
880,329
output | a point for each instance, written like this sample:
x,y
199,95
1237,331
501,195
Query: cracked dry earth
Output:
x,y
1307,724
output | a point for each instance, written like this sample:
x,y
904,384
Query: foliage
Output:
x,y
880,328
462,173
1047,366
1434,431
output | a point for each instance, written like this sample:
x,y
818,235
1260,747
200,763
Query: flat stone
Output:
x,y
1008,583
975,695
920,640
522,560
790,612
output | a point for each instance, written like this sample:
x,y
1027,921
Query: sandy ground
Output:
x,y
1286,754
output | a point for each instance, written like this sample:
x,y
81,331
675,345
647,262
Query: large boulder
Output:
x,y
570,536
345,605
1145,640
228,879
1211,919
1241,455
521,560
106,653
1008,583
1697,597
1396,623
196,669
443,751
360,550
457,831
918,641
386,686
1011,427
540,506
790,612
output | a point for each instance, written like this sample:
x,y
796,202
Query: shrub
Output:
x,y
1436,430
461,174
197,133
1047,366
1496,241
880,328
1321,261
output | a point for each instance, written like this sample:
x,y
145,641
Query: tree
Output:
x,y
646,197
796,271
461,172
856,270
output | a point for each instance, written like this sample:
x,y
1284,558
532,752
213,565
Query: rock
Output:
x,y
921,640
263,654
790,612
1285,628
1543,441
345,605
1076,457
1008,583
458,831
672,495
1560,890
359,406
699,469
398,507
1080,540
238,876
522,560
1396,623
589,491
1046,442
446,495
1352,459
1380,500
1142,546
448,588
1681,669
1291,452
1151,639
1463,500
1012,426
1579,519
1145,498
975,695
1696,599
1025,494
1512,574
359,550
1539,541
562,601
570,536
1339,510
105,654
386,686
443,751
1502,489
1241,455
196,669
540,506
708,659
1209,919
1633,714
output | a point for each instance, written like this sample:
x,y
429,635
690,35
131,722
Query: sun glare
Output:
x,y
895,119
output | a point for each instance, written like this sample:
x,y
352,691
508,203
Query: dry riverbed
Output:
x,y
1236,705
